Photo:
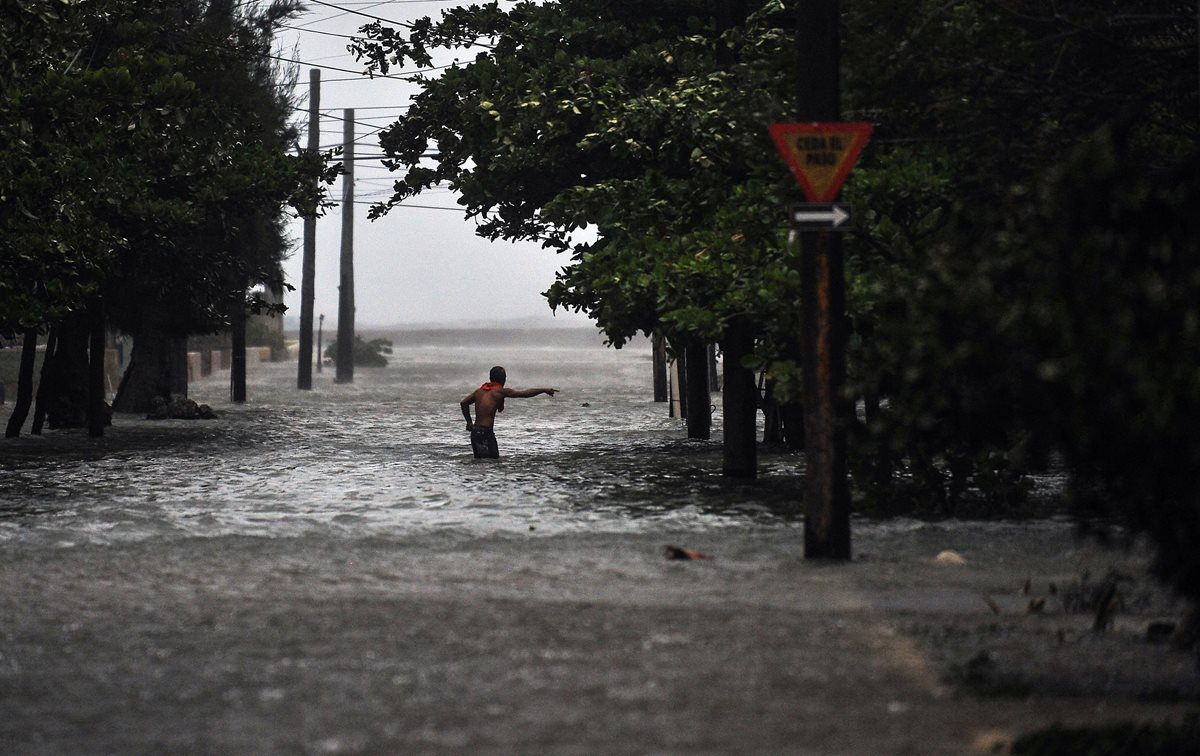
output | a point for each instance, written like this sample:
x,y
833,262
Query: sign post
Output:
x,y
821,151
821,156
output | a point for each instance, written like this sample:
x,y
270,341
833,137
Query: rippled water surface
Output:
x,y
389,454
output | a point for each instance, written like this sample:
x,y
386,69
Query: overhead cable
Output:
x,y
360,13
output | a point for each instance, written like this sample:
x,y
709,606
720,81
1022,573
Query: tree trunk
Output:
x,y
699,416
67,400
179,366
739,402
24,386
792,416
772,418
679,383
43,391
659,359
883,456
97,414
714,377
237,369
153,370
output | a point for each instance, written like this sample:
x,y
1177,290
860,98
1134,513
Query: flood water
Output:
x,y
332,572
389,454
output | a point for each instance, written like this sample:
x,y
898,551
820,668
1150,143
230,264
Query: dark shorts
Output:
x,y
483,442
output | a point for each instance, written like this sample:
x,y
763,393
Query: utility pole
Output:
x,y
309,261
823,293
345,339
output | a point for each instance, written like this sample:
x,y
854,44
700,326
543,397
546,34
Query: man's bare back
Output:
x,y
488,400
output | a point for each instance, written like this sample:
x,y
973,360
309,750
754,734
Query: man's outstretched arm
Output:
x,y
526,393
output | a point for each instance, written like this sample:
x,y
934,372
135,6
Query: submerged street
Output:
x,y
333,573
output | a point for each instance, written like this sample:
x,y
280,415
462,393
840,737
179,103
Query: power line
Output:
x,y
317,31
360,13
400,76
417,207
332,117
344,12
382,107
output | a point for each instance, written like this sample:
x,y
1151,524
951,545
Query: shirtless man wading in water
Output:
x,y
488,400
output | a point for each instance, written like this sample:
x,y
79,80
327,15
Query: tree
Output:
x,y
169,206
365,353
232,180
647,124
991,194
974,104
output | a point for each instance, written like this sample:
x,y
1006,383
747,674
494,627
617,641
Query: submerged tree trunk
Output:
x,y
659,360
792,417
714,376
883,456
237,366
20,412
699,417
679,383
67,379
154,371
772,418
43,391
739,403
97,409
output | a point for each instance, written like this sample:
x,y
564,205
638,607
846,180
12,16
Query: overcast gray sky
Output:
x,y
414,265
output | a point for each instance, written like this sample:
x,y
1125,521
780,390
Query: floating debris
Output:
x,y
950,557
674,552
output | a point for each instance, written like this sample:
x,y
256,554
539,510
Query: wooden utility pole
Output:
x,y
309,261
345,339
823,286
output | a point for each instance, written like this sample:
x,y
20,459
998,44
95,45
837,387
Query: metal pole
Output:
x,y
320,334
823,285
345,341
309,262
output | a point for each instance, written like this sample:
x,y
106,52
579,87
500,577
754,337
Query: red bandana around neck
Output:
x,y
489,386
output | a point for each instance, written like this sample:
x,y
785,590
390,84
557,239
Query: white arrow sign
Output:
x,y
821,216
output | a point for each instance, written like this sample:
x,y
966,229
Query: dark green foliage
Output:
x,y
262,332
1111,337
145,160
366,353
146,167
1022,289
644,121
957,282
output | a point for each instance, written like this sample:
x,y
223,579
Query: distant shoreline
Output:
x,y
484,335
291,325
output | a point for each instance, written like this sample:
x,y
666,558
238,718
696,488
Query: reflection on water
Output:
x,y
389,454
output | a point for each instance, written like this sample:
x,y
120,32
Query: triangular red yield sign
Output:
x,y
820,154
